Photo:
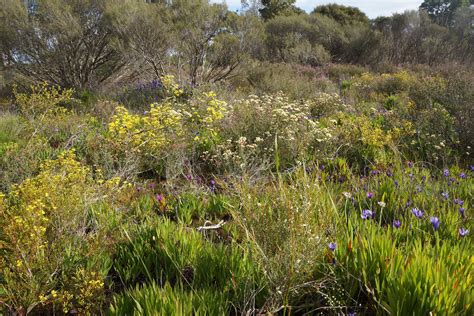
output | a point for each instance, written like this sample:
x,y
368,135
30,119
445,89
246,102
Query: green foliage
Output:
x,y
10,129
403,274
273,8
442,12
288,220
67,43
167,300
342,14
170,253
269,202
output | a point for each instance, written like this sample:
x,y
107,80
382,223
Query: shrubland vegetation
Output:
x,y
176,158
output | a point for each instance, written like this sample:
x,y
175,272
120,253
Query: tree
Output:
x,y
197,24
145,33
61,42
272,8
303,39
443,11
342,14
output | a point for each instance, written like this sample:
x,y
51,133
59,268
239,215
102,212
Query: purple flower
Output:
x,y
445,195
370,195
159,198
397,223
139,189
396,183
418,213
459,202
389,173
418,188
367,214
213,186
407,204
410,164
189,177
332,246
411,176
463,232
471,168
462,175
435,222
461,211
446,172
152,185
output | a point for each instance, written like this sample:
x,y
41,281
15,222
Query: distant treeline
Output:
x,y
88,44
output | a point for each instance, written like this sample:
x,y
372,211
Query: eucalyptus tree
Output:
x,y
62,42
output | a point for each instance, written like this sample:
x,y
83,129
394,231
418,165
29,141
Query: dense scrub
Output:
x,y
351,202
176,158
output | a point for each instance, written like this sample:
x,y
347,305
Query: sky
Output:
x,y
373,8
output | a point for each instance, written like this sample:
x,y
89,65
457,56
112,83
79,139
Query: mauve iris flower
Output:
x,y
446,172
459,202
367,214
332,246
410,164
370,195
418,213
213,186
435,222
159,198
445,195
462,175
407,204
397,223
461,211
463,232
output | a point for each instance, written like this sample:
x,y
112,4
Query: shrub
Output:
x,y
406,277
296,81
171,253
290,222
43,102
267,131
47,237
167,300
